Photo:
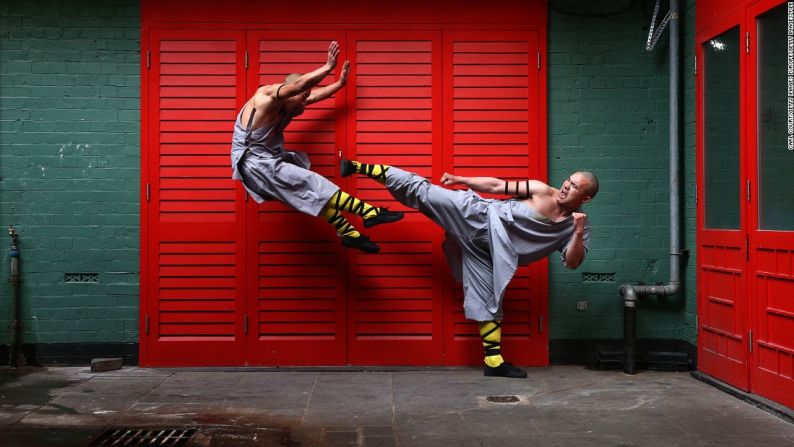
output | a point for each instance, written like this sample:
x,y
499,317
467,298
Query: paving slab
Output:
x,y
381,407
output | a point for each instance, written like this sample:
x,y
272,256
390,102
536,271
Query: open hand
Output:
x,y
345,72
333,54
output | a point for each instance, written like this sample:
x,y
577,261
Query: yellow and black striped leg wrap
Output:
x,y
343,227
375,172
342,201
491,334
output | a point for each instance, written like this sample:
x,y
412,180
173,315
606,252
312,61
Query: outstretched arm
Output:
x,y
575,251
306,81
329,90
493,185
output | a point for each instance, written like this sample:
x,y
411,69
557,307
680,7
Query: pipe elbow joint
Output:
x,y
629,295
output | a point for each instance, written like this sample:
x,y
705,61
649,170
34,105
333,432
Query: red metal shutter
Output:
x,y
492,129
194,309
296,265
395,296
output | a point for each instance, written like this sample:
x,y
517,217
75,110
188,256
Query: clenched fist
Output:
x,y
579,221
448,179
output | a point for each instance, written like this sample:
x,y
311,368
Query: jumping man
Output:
x,y
269,171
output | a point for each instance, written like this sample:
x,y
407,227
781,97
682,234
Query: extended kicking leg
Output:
x,y
372,216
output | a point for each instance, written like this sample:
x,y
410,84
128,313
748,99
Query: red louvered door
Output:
x,y
492,128
233,282
195,277
394,117
296,265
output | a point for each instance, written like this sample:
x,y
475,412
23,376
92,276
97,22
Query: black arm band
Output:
x,y
278,90
506,185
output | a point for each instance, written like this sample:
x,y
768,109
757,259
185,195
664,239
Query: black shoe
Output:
x,y
346,168
360,243
505,370
383,216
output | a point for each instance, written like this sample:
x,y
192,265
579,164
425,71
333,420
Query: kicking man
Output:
x,y
269,171
487,239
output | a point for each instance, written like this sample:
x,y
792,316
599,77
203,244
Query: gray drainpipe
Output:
x,y
632,293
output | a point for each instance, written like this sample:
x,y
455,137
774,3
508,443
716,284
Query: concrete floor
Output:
x,y
556,406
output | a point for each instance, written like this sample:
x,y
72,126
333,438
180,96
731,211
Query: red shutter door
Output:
x,y
395,296
296,265
492,128
195,276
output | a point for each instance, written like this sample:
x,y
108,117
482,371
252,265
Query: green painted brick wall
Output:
x,y
609,113
69,166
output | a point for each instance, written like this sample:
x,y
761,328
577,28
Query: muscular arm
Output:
x,y
329,90
575,251
306,81
493,185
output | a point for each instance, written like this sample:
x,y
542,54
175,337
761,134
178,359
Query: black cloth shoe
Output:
x,y
383,216
505,370
346,168
360,243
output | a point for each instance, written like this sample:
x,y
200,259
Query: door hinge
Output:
x,y
538,60
748,190
148,59
246,59
245,324
747,248
540,324
148,191
696,194
750,341
146,324
696,65
747,41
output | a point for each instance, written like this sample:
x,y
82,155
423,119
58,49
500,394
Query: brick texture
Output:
x,y
70,165
608,113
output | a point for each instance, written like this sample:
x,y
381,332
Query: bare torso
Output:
x,y
266,110
545,203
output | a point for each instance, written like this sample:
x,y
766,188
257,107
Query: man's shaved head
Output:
x,y
592,188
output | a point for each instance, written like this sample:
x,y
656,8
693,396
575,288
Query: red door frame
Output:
x,y
750,374
732,369
768,244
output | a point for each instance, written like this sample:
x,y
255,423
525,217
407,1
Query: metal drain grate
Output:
x,y
502,399
161,436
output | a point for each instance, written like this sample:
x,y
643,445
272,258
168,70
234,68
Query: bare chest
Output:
x,y
545,205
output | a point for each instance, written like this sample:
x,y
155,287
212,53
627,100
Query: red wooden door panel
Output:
x,y
723,298
193,310
492,128
394,297
771,235
296,265
772,375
